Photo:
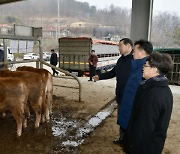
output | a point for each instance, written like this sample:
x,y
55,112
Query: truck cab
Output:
x,y
10,56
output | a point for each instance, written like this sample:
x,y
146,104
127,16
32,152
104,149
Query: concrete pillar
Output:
x,y
5,53
40,54
141,19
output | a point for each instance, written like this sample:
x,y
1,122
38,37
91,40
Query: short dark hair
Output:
x,y
163,62
145,45
92,50
127,41
52,50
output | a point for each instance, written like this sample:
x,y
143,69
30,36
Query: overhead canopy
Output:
x,y
8,1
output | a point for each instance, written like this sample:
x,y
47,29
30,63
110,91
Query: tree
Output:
x,y
163,28
11,19
176,35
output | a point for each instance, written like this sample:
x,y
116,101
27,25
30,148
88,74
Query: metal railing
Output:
x,y
57,68
39,62
67,73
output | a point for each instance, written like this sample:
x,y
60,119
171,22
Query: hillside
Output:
x,y
44,13
81,19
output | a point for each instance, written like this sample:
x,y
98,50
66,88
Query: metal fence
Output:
x,y
174,75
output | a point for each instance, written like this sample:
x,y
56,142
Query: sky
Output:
x,y
171,6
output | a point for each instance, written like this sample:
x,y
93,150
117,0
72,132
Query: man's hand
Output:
x,y
91,63
96,77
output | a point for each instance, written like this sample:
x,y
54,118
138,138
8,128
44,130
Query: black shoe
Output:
x,y
89,80
57,73
118,141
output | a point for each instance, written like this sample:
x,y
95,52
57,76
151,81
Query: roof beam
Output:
x,y
8,1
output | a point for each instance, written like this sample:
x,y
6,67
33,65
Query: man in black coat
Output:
x,y
53,61
121,71
147,128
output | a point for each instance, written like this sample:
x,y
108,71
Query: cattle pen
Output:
x,y
39,62
70,121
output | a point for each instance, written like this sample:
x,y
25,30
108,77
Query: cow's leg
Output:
x,y
47,113
28,111
18,116
44,106
26,114
38,117
25,123
47,109
38,110
43,114
50,101
19,126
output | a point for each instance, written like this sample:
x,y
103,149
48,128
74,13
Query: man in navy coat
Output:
x,y
142,50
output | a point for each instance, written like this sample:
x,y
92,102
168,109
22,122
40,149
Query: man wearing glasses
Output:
x,y
147,128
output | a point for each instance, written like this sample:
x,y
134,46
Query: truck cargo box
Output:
x,y
74,54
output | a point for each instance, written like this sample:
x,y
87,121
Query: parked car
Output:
x,y
30,56
46,56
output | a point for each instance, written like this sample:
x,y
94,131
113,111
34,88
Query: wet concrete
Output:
x,y
63,134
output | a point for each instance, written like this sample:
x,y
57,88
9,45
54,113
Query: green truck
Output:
x,y
74,54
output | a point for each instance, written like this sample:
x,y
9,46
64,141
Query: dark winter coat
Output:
x,y
53,59
135,78
121,71
146,132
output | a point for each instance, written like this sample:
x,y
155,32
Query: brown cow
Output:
x,y
47,76
34,83
13,97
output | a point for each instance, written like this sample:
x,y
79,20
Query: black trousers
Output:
x,y
121,130
54,71
92,71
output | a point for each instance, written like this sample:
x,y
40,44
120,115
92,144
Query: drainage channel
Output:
x,y
73,134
